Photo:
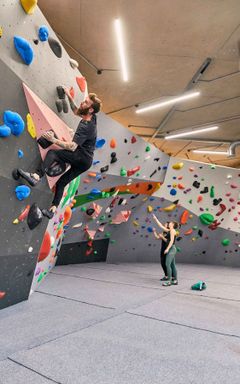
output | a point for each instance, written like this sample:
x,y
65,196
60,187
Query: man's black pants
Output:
x,y
77,164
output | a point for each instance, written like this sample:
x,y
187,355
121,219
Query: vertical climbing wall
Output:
x,y
35,104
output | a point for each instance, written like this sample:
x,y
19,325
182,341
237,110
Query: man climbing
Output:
x,y
77,153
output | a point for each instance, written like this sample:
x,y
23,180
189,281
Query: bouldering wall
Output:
x,y
32,65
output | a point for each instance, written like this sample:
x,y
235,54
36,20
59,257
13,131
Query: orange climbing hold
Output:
x,y
24,213
181,186
81,82
184,217
92,174
45,247
113,143
67,215
72,93
188,232
59,232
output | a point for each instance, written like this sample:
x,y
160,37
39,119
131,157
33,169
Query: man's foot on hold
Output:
x,y
47,213
28,177
164,278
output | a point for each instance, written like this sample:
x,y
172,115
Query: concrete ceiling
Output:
x,y
166,44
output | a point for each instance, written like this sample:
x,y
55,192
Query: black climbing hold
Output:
x,y
113,189
179,238
156,159
120,201
36,41
175,202
113,160
200,232
65,106
159,168
35,216
125,141
196,184
59,105
134,196
55,47
149,187
104,169
205,190
113,154
152,174
15,174
217,201
60,92
44,143
90,211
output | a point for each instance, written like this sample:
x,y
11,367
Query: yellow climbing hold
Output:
x,y
1,32
149,208
16,221
178,166
135,223
145,199
169,208
29,6
31,127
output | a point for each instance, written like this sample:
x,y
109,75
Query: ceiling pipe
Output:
x,y
232,149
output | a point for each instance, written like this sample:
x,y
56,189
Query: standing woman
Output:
x,y
163,237
170,252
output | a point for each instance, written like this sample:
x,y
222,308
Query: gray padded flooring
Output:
x,y
107,323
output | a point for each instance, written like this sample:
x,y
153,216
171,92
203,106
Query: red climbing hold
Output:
x,y
184,217
72,93
214,225
24,213
188,232
133,139
199,199
45,247
81,82
222,209
2,294
131,172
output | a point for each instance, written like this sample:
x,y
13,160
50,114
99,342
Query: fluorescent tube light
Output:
x,y
188,133
210,152
172,100
118,29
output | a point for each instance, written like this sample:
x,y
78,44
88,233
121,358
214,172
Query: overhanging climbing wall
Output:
x,y
19,44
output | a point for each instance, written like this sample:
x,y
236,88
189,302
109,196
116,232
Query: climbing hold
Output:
x,y
24,49
135,223
29,6
149,208
148,148
200,233
214,225
113,158
199,199
81,82
22,192
132,171
178,166
173,192
184,217
206,218
121,217
113,143
2,294
171,207
43,33
35,216
233,186
55,47
222,209
196,184
24,213
14,121
5,131
133,140
188,232
20,154
45,247
90,211
180,186
212,191
15,221
100,143
205,190
225,242
123,171
73,63
67,215
104,169
1,32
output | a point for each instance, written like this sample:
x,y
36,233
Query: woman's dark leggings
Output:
x,y
77,166
170,263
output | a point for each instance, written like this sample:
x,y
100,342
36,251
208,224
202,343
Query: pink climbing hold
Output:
x,y
81,82
133,139
233,186
222,209
121,217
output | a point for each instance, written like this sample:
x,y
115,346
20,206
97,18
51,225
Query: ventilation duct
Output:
x,y
232,149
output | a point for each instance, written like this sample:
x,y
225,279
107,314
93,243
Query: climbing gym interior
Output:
x,y
81,300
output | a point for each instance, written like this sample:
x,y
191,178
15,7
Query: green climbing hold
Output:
x,y
102,218
95,252
206,218
148,148
107,234
123,171
112,241
213,166
136,157
212,192
83,209
225,242
195,227
178,249
138,174
190,201
103,195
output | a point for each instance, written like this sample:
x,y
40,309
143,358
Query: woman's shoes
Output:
x,y
170,282
164,278
174,282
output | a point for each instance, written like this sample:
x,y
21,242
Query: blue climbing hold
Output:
x,y
43,33
14,121
24,49
149,229
22,192
96,162
5,131
95,191
20,154
100,143
173,192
